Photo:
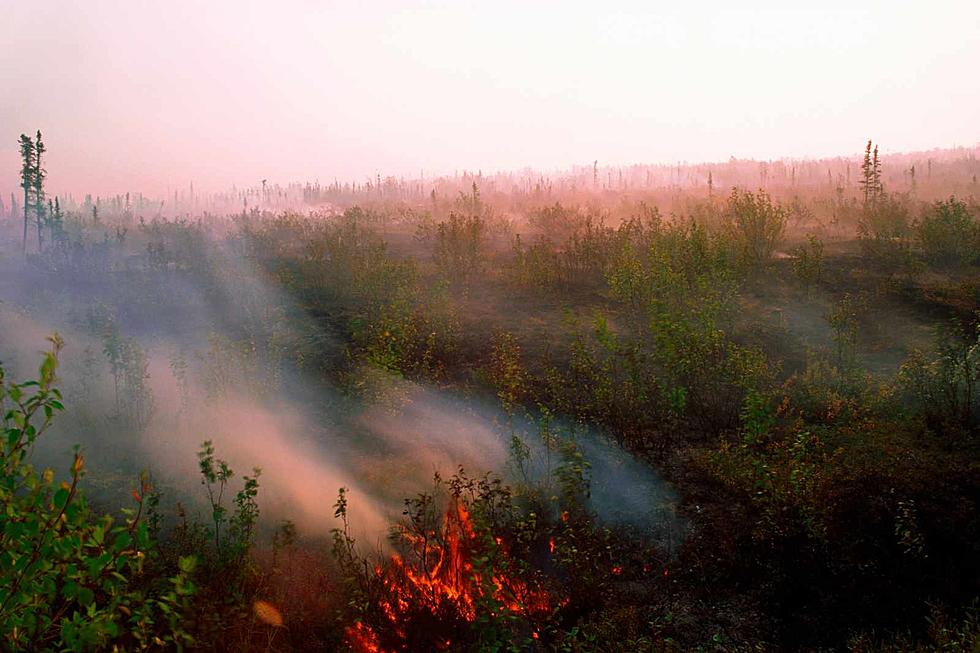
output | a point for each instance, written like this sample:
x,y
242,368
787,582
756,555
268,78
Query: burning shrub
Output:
x,y
477,566
454,581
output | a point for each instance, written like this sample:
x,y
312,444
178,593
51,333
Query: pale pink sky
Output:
x,y
135,95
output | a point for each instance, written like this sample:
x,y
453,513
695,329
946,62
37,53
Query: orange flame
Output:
x,y
444,576
362,639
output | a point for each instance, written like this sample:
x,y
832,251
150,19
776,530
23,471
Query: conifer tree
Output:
x,y
28,157
871,177
866,174
55,220
876,188
39,175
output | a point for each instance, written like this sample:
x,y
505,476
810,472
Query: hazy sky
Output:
x,y
139,95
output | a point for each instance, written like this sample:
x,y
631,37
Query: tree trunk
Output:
x,y
27,204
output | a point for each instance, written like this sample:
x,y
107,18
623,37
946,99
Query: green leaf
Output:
x,y
47,370
60,498
142,535
122,541
85,596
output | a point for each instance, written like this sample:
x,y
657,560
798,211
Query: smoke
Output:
x,y
258,408
302,463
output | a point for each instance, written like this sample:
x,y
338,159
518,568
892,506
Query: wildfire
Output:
x,y
361,638
267,613
449,575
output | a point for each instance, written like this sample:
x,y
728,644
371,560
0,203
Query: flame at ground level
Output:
x,y
455,575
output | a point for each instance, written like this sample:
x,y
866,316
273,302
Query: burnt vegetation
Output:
x,y
798,358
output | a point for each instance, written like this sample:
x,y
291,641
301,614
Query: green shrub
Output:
x,y
459,245
69,579
885,235
945,389
556,221
944,634
757,224
808,264
948,234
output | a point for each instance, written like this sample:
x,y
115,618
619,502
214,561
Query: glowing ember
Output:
x,y
362,639
267,613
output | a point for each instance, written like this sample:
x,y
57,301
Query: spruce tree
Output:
x,y
39,204
876,187
55,220
28,157
866,175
